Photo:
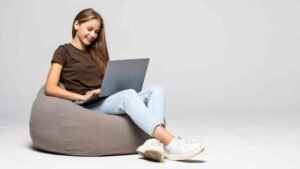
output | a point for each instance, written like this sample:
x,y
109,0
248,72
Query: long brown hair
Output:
x,y
98,49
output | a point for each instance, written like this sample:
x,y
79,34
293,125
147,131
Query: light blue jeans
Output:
x,y
145,108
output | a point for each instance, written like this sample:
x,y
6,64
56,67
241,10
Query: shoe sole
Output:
x,y
186,156
152,155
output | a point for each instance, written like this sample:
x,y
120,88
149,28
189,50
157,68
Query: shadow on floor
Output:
x,y
184,161
33,148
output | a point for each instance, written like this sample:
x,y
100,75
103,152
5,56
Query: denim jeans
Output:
x,y
145,108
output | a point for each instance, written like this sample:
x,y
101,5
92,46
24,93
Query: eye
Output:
x,y
90,28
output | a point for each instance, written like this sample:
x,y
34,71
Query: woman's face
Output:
x,y
88,31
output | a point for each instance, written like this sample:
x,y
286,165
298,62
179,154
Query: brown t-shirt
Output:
x,y
80,73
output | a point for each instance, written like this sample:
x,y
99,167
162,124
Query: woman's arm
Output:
x,y
52,88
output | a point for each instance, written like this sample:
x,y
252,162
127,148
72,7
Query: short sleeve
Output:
x,y
59,56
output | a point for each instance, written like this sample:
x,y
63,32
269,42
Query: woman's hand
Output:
x,y
90,94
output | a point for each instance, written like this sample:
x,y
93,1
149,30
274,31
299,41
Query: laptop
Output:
x,y
121,75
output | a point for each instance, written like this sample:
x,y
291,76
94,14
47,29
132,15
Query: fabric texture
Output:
x,y
60,126
80,72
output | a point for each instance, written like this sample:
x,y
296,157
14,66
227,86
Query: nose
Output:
x,y
93,34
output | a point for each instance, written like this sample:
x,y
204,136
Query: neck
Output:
x,y
76,42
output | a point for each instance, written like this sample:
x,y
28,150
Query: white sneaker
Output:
x,y
180,149
152,149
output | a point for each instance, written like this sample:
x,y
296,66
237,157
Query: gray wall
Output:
x,y
238,56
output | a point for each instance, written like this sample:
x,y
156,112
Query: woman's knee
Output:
x,y
129,93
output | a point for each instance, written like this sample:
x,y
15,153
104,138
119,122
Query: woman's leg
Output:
x,y
154,99
161,134
129,102
175,148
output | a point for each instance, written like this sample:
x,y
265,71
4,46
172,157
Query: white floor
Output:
x,y
233,141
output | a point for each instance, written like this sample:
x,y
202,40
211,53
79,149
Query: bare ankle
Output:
x,y
162,135
167,140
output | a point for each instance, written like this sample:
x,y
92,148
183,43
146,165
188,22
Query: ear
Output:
x,y
76,25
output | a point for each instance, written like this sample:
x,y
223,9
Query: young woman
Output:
x,y
80,66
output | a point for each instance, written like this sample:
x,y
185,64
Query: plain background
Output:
x,y
219,62
210,56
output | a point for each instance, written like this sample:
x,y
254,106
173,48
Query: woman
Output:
x,y
80,66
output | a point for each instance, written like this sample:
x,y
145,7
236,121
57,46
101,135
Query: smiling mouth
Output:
x,y
89,38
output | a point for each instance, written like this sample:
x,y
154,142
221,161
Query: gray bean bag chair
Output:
x,y
60,126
